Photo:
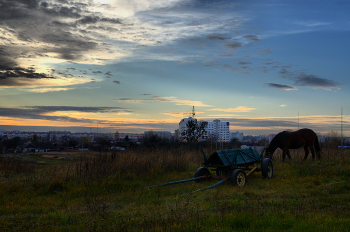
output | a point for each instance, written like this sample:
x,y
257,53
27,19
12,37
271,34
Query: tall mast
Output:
x,y
341,128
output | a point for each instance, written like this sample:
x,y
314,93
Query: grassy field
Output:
x,y
107,192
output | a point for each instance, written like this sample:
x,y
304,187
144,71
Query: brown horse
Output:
x,y
286,140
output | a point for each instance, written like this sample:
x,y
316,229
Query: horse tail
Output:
x,y
317,146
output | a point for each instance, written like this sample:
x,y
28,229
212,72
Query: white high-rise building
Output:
x,y
217,130
183,123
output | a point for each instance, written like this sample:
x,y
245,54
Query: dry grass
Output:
x,y
105,192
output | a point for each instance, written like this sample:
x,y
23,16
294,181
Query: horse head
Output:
x,y
268,153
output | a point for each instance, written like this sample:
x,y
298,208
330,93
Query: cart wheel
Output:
x,y
239,178
267,168
202,171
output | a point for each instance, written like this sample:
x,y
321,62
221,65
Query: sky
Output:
x,y
139,65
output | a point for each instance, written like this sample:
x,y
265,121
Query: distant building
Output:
x,y
237,135
177,135
216,130
166,135
183,123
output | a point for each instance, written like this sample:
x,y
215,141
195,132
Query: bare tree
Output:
x,y
194,131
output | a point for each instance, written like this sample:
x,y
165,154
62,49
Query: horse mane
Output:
x,y
273,144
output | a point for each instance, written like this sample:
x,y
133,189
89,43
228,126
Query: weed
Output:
x,y
105,192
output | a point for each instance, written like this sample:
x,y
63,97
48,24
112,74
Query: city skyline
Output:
x,y
140,65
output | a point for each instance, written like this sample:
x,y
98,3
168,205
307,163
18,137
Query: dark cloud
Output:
x,y
210,63
10,72
109,73
315,82
264,51
48,25
278,86
46,109
40,112
234,45
63,11
283,71
230,67
21,72
308,80
116,82
96,19
217,38
224,55
253,38
244,62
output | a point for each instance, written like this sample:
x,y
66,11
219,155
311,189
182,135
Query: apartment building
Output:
x,y
216,130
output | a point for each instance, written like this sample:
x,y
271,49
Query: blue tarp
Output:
x,y
233,157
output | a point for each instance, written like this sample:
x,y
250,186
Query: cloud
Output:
x,y
174,114
210,63
312,23
109,74
89,32
217,37
129,100
264,51
237,109
309,80
223,55
116,82
315,82
253,38
52,113
165,99
278,86
45,90
234,45
244,62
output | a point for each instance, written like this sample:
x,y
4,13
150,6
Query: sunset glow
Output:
x,y
142,65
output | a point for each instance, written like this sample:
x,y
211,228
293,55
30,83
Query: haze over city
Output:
x,y
139,65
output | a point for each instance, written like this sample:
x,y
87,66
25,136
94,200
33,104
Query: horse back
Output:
x,y
296,139
302,137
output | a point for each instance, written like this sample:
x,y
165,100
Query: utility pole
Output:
x,y
341,128
298,119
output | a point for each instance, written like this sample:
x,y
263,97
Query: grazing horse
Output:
x,y
286,140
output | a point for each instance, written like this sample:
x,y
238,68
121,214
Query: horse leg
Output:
x,y
288,154
312,151
285,152
306,149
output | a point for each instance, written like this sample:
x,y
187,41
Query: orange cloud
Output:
x,y
237,109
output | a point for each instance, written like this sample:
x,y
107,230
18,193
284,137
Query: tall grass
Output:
x,y
106,192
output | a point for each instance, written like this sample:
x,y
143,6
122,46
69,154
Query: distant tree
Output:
x,y
235,143
126,138
12,143
333,139
262,142
117,136
103,143
85,142
74,143
194,131
34,140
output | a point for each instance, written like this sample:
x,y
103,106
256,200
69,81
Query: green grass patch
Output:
x,y
107,192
